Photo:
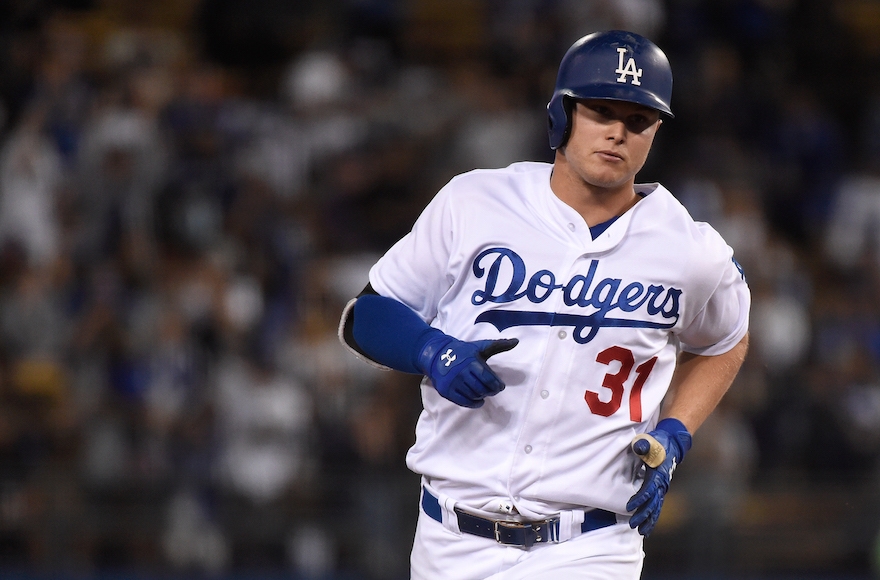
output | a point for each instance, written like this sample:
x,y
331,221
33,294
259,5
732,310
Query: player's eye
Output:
x,y
602,110
638,123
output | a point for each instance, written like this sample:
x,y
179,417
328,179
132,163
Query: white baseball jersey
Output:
x,y
600,322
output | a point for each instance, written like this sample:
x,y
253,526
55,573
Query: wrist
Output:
x,y
427,347
678,433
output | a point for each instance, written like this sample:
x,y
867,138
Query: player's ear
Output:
x,y
657,125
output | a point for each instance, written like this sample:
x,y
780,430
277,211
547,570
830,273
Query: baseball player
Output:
x,y
574,330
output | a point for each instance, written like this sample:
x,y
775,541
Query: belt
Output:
x,y
509,533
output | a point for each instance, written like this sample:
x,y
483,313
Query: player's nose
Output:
x,y
616,131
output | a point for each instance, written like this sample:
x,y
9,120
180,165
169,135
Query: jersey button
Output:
x,y
545,394
562,334
571,227
528,449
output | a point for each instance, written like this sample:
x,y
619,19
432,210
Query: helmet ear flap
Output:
x,y
559,119
568,107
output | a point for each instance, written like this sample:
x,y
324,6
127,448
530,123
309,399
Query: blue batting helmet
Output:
x,y
615,65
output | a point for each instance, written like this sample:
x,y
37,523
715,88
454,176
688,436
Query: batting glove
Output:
x,y
661,450
458,369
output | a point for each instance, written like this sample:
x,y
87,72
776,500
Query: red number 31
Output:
x,y
615,382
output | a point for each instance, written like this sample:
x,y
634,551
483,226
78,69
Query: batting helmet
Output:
x,y
615,65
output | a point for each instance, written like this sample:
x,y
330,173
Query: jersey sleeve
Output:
x,y
724,319
416,269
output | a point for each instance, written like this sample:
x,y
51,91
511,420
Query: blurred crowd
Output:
x,y
191,191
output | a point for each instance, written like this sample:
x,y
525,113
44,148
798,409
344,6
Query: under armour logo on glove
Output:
x,y
448,357
470,379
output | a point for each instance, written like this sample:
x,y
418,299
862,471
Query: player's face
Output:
x,y
610,141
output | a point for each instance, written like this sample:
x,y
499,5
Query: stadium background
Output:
x,y
191,190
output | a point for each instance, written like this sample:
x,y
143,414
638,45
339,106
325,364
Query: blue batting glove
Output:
x,y
662,451
458,369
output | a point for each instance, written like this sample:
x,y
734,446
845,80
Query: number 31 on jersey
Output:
x,y
616,383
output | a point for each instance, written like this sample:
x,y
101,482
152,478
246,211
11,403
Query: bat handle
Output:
x,y
649,449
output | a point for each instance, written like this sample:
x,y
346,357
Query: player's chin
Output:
x,y
608,180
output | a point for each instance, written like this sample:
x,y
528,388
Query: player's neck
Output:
x,y
594,203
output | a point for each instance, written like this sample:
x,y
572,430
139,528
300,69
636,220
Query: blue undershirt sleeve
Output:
x,y
390,332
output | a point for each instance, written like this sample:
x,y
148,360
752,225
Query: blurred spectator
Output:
x,y
122,169
716,489
494,129
781,330
808,151
853,221
192,541
31,307
30,179
265,419
646,17
326,99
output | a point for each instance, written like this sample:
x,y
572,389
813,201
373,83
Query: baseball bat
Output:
x,y
649,449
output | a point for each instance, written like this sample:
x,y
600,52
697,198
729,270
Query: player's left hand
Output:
x,y
662,451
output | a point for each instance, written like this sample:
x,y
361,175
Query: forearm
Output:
x,y
389,332
699,384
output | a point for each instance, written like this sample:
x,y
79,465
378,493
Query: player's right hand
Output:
x,y
458,369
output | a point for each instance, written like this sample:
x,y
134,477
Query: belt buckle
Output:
x,y
542,531
499,524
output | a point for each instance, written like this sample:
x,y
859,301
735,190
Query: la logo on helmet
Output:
x,y
628,69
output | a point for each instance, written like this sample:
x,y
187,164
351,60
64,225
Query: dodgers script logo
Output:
x,y
602,298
